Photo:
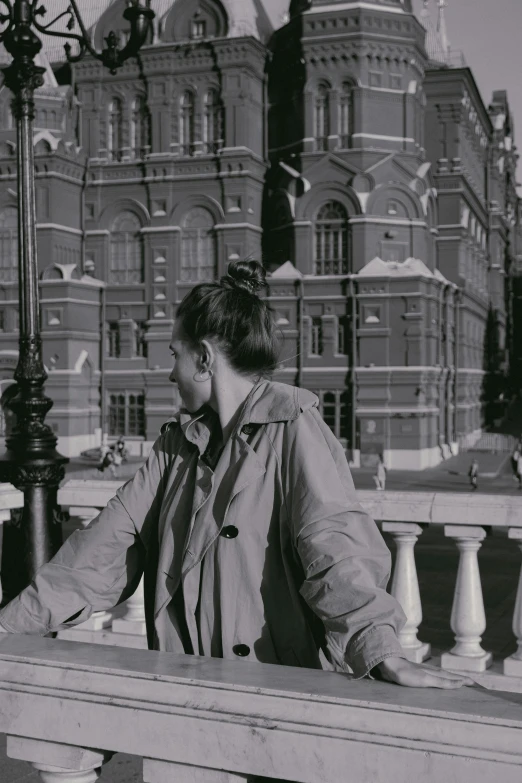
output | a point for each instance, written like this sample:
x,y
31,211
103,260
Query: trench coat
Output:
x,y
267,558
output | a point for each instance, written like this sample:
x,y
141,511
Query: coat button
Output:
x,y
229,531
248,429
241,649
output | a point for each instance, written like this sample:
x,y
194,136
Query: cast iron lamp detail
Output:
x,y
31,461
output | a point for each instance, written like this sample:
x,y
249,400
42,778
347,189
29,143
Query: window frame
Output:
x,y
125,413
329,233
9,236
132,250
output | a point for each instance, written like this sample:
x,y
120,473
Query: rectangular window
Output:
x,y
342,337
375,79
126,414
2,320
199,28
316,342
113,340
141,342
334,410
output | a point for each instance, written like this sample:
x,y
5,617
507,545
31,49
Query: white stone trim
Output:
x,y
59,227
381,137
326,9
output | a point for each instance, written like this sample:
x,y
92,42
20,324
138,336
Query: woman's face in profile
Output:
x,y
186,365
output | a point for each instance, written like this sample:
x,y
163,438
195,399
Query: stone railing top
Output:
x,y
87,492
10,497
434,508
249,718
444,508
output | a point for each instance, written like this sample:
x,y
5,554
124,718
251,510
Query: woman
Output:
x,y
244,518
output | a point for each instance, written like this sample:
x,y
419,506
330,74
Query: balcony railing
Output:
x,y
66,708
466,519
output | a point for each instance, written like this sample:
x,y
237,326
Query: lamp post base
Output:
x,y
40,532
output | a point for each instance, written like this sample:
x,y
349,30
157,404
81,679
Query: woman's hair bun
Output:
x,y
249,276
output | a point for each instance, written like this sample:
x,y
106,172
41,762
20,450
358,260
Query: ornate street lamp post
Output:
x,y
31,461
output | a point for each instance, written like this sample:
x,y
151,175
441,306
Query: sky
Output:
x,y
489,33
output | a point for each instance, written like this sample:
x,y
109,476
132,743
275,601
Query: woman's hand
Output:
x,y
419,675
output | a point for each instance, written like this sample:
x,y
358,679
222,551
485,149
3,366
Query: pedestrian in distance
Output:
x,y
244,519
514,462
380,475
474,474
109,463
519,470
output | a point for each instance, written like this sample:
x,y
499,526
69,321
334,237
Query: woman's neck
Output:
x,y
228,398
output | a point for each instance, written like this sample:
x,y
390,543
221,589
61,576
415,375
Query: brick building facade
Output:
x,y
365,171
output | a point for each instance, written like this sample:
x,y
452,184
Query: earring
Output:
x,y
209,373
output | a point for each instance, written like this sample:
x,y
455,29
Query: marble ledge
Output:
x,y
10,497
254,719
444,508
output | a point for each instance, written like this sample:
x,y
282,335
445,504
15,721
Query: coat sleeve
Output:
x,y
99,566
345,560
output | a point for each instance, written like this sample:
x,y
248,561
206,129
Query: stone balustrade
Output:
x,y
465,518
10,499
67,707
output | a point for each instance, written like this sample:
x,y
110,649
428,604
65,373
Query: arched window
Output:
x,y
331,240
321,118
345,115
140,127
188,125
126,252
9,245
115,142
198,247
213,122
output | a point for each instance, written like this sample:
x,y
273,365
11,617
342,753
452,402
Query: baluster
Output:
x,y
513,664
133,619
468,618
57,763
5,516
405,588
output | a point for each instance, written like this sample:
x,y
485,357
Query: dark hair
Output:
x,y
231,312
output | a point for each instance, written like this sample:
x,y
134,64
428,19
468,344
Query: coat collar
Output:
x,y
268,402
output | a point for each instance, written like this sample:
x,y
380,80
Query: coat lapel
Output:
x,y
238,467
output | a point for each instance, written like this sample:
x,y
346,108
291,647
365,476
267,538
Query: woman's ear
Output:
x,y
207,355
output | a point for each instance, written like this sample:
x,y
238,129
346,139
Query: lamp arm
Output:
x,y
6,18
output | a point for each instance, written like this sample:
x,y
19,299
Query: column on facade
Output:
x,y
468,617
513,664
405,587
329,329
333,110
309,130
127,330
304,255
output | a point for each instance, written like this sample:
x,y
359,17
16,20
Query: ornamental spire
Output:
x,y
441,27
437,44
